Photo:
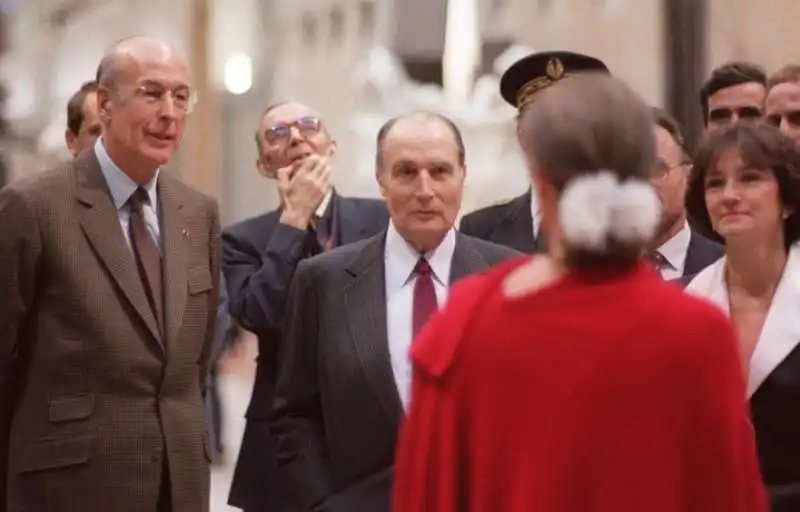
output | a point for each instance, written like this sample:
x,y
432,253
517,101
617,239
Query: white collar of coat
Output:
x,y
781,331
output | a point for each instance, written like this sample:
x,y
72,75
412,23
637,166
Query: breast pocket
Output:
x,y
199,280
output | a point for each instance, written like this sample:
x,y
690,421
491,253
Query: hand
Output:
x,y
302,187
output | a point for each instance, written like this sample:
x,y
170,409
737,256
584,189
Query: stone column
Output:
x,y
685,46
200,166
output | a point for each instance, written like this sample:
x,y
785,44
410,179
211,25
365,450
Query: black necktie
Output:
x,y
148,259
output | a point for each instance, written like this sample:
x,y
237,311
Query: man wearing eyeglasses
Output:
x,y
109,280
677,250
259,259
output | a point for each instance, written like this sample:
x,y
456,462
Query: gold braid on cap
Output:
x,y
553,73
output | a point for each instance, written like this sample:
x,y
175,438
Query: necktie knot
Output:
x,y
138,199
657,259
422,268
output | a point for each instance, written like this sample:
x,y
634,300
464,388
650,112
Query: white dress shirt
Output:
x,y
400,260
535,217
122,188
323,206
674,251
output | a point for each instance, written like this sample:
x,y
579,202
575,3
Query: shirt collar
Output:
x,y
401,258
323,206
120,184
535,216
674,249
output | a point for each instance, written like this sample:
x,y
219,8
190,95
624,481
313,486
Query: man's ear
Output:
x,y
103,103
69,138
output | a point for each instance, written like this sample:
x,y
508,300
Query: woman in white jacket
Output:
x,y
745,189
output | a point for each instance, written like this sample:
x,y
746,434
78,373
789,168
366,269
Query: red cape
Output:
x,y
475,440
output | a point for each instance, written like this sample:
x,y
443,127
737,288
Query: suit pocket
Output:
x,y
56,453
199,279
70,408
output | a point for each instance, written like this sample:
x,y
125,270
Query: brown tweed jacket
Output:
x,y
94,401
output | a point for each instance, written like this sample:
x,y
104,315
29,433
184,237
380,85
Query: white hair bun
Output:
x,y
596,207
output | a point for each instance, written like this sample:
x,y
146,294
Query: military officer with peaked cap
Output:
x,y
514,222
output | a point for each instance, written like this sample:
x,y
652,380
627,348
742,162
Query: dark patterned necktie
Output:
x,y
425,304
148,259
658,260
323,232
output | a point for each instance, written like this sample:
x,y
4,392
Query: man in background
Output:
x,y
515,222
676,250
734,91
259,257
783,100
83,123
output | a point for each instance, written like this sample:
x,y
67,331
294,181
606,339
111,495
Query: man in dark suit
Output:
x,y
515,222
109,286
259,259
677,250
352,314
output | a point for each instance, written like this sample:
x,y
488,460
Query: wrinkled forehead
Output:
x,y
288,113
784,97
168,70
421,142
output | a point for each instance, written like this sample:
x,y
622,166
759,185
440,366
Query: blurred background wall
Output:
x,y
344,57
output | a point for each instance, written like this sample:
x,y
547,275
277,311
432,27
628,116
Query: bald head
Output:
x,y
420,172
414,120
129,52
144,95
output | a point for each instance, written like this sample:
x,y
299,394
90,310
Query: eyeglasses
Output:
x,y
281,132
155,95
662,168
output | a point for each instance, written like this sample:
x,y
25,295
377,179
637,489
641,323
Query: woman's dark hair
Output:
x,y
761,146
584,124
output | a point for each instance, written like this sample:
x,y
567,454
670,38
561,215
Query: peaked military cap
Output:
x,y
537,71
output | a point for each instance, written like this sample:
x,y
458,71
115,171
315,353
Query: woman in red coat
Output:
x,y
579,381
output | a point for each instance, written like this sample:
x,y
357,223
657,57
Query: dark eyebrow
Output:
x,y
404,162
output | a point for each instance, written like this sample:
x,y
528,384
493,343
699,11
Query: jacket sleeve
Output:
x,y
20,252
258,278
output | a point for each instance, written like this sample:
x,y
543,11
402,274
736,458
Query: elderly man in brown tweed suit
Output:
x,y
108,293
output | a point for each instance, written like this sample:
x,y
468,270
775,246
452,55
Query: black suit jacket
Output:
x,y
337,409
702,252
508,224
259,257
